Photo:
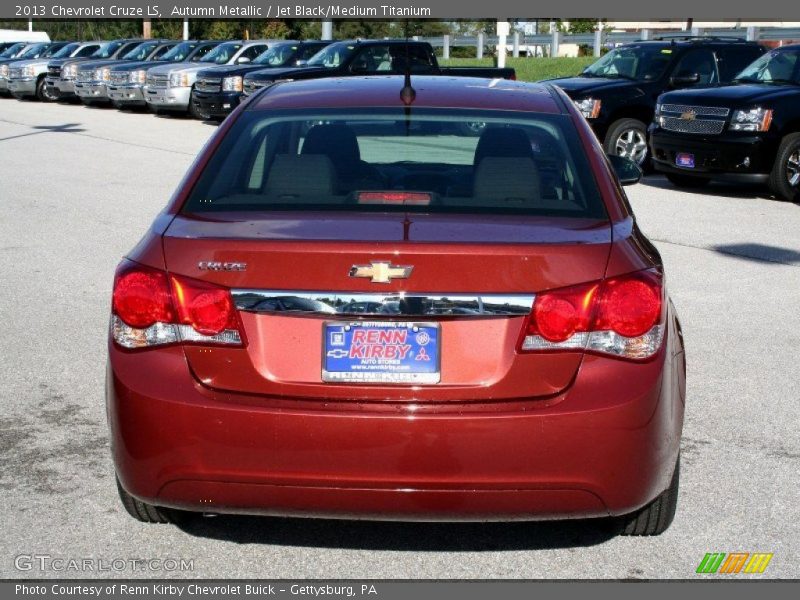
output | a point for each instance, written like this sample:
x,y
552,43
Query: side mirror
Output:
x,y
242,60
684,78
627,171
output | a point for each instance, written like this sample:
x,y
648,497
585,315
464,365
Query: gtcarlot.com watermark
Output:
x,y
69,564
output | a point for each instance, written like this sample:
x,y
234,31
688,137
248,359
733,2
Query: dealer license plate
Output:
x,y
684,160
381,352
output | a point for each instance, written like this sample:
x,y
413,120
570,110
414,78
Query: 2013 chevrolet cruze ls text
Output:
x,y
348,309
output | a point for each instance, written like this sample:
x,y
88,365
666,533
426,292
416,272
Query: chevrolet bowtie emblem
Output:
x,y
689,115
381,271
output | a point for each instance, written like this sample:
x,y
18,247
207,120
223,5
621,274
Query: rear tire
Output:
x,y
656,517
628,138
147,513
687,181
784,180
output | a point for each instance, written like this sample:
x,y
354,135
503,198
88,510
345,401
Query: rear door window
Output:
x,y
730,61
385,160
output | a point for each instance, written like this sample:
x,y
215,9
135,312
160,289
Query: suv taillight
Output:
x,y
151,308
622,316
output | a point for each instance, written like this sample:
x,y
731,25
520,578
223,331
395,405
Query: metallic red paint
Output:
x,y
254,430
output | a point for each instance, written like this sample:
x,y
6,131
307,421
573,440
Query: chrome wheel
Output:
x,y
631,144
793,168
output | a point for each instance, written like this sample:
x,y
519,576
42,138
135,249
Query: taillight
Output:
x,y
622,316
151,308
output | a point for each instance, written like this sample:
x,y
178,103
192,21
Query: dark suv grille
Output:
x,y
683,118
208,84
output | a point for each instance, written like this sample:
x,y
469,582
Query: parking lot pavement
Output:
x,y
79,186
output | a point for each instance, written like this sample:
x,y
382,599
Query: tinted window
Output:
x,y
732,60
201,51
87,50
158,54
12,50
332,56
107,50
778,66
699,62
221,54
33,51
337,160
644,63
277,56
180,52
141,52
66,51
306,52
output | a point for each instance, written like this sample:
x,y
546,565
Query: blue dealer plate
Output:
x,y
381,352
684,160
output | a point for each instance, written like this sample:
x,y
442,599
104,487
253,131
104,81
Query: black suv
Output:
x,y
746,131
617,93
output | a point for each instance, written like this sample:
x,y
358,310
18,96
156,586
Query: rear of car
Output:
x,y
350,309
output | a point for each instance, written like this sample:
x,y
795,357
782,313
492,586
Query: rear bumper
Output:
x,y
25,86
729,156
606,446
168,98
93,90
131,94
219,104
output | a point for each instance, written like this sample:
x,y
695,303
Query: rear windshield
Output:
x,y
430,161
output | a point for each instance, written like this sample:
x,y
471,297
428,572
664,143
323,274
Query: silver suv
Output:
x,y
171,87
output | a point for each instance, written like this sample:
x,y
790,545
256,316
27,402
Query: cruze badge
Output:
x,y
381,271
212,265
689,116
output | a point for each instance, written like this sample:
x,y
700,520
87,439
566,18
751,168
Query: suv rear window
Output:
x,y
381,159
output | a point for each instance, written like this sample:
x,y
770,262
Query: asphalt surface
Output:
x,y
79,186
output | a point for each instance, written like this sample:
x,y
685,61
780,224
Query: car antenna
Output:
x,y
408,93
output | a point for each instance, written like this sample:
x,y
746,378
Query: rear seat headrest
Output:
x,y
509,180
502,142
300,175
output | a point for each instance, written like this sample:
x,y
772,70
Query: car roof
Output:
x,y
689,42
431,92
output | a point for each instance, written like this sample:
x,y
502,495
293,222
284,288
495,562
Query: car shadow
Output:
x,y
65,128
402,536
760,253
715,188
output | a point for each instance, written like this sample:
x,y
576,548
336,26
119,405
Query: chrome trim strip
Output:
x,y
386,304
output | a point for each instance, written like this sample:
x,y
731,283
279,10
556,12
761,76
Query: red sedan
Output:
x,y
354,308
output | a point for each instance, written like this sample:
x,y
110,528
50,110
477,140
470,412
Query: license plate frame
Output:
x,y
684,160
422,338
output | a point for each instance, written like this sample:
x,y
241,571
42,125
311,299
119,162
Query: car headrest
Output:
x,y
299,175
335,140
502,142
510,181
